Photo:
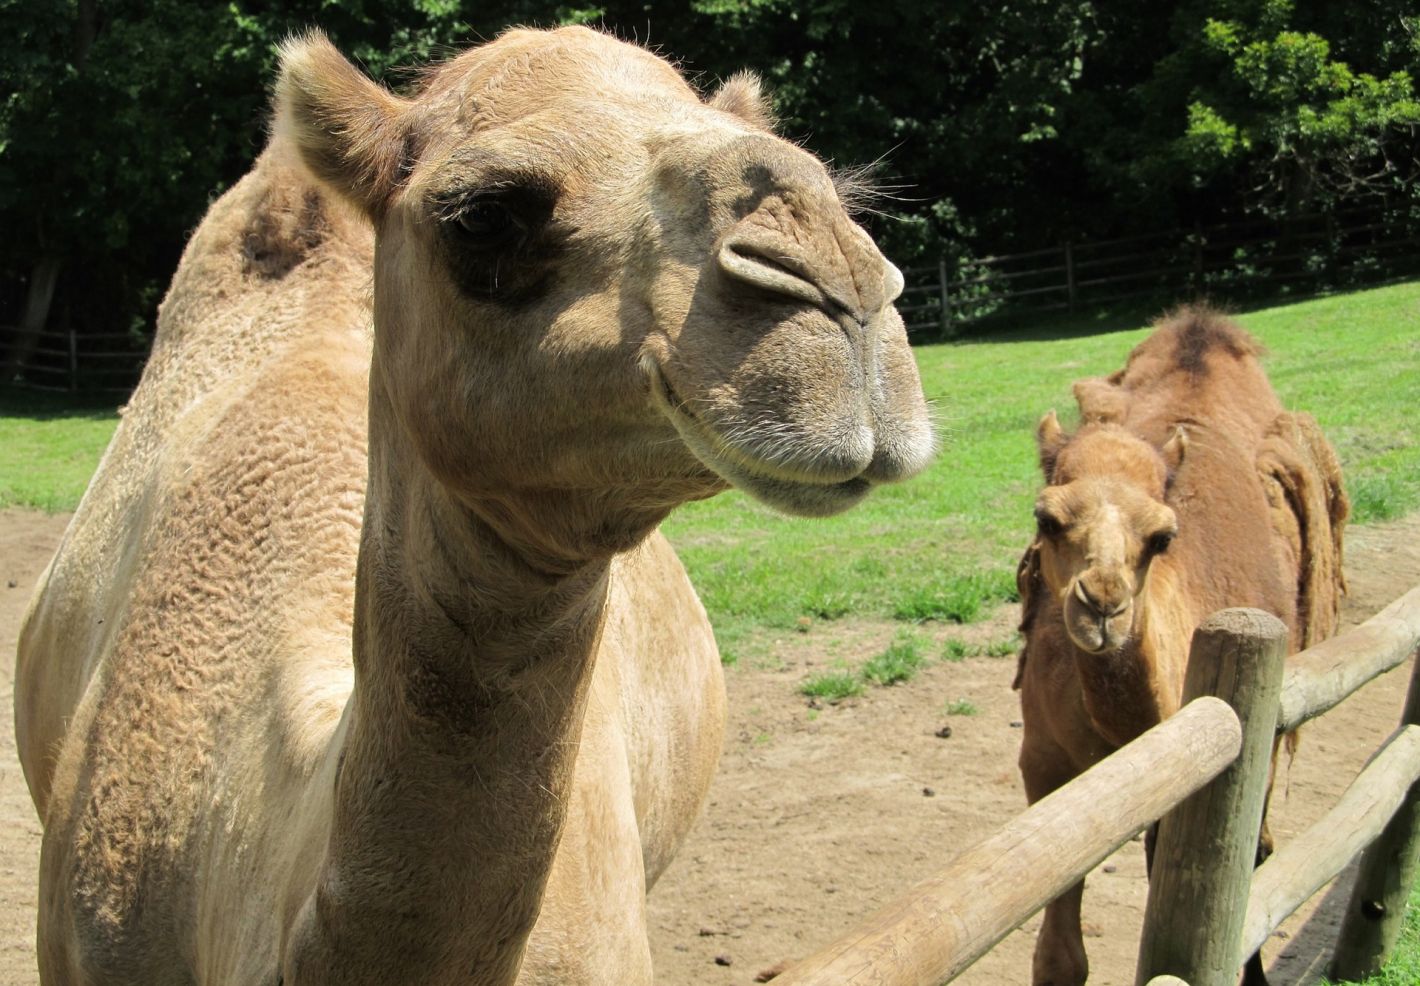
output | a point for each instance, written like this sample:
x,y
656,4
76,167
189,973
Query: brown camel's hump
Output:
x,y
1183,340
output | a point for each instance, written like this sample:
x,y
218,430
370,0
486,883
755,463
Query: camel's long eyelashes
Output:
x,y
500,241
487,223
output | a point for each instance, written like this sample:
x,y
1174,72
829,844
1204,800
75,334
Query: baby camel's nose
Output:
x,y
1103,593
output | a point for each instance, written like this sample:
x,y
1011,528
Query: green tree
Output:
x,y
1246,104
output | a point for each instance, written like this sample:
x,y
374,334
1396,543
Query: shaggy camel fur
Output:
x,y
363,661
1186,490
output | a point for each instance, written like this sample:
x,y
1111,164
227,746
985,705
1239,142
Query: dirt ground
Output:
x,y
820,816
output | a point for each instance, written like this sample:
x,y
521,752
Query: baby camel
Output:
x,y
1186,490
362,661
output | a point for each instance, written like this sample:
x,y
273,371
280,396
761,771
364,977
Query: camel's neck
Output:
x,y
471,673
1139,686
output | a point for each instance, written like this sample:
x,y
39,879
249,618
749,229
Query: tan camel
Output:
x,y
1186,490
594,298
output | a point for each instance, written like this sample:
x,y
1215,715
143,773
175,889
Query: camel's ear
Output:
x,y
1100,401
345,127
1049,439
1028,585
1175,448
743,96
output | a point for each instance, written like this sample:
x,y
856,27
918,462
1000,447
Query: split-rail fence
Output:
x,y
1204,772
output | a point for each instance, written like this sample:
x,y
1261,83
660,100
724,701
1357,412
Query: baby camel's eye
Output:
x,y
1048,524
1159,542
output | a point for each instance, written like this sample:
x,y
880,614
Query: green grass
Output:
x,y
50,445
833,686
956,649
1403,969
961,707
898,663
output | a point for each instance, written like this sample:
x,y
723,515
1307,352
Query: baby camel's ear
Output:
x,y
1049,440
345,127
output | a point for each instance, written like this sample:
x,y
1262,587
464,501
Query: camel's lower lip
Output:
x,y
793,496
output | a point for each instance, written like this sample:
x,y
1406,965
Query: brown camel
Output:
x,y
1186,490
363,660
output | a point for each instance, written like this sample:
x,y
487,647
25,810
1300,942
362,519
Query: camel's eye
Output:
x,y
1048,524
487,222
1159,543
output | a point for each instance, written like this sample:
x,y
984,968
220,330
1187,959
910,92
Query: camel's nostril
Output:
x,y
1083,594
753,265
1105,610
778,269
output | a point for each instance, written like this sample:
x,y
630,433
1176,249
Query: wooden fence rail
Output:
x,y
1207,767
947,922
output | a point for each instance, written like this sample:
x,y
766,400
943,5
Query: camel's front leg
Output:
x,y
1060,958
1060,950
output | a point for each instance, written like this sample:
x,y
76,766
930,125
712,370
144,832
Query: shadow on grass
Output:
x,y
43,405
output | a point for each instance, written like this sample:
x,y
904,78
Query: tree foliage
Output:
x,y
1016,125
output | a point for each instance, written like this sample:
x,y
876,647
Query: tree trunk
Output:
x,y
37,304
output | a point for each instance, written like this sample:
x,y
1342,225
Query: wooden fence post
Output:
x,y
1070,274
1377,908
946,298
73,360
1207,846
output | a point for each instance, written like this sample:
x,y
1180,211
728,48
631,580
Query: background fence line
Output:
x,y
70,361
1227,263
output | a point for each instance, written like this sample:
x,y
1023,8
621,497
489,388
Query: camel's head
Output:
x,y
589,280
1102,523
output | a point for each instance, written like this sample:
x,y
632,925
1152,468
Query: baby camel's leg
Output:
x,y
1060,958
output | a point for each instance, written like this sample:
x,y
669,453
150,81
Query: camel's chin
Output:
x,y
801,499
1090,640
805,499
799,495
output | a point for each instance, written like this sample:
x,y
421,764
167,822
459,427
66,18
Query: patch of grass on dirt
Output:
x,y
961,707
1005,647
959,650
832,686
898,663
956,650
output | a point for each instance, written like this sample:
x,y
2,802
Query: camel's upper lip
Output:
x,y
739,467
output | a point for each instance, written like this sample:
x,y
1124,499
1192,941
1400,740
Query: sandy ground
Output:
x,y
819,816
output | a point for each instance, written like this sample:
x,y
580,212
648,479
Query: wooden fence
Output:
x,y
1205,771
73,362
1226,263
